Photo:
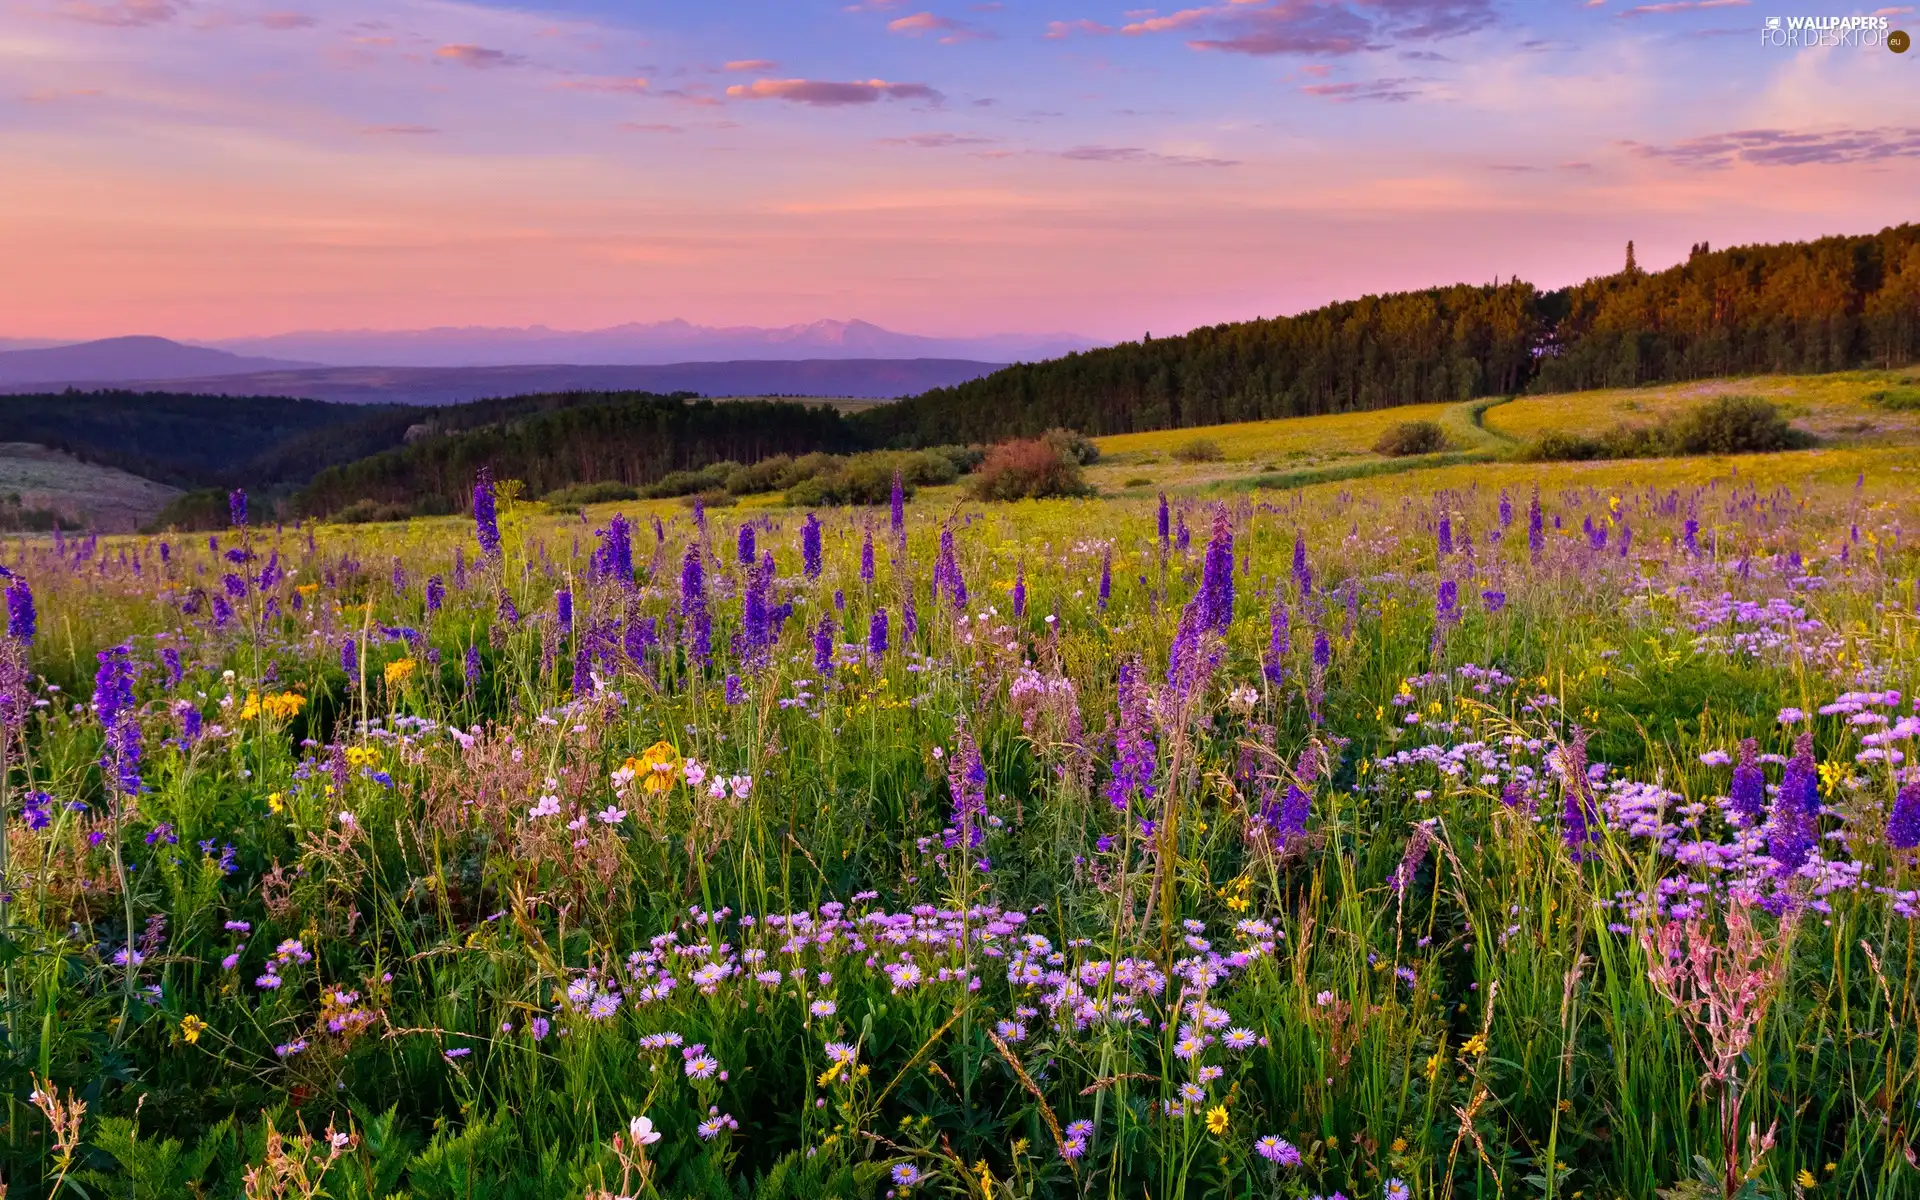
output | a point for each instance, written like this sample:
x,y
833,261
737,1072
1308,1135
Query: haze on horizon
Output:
x,y
207,169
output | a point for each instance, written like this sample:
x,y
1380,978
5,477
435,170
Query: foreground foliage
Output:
x,y
1482,843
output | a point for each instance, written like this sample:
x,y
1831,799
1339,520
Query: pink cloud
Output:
x,y
952,31
401,130
468,55
631,87
1179,20
120,12
827,94
1057,30
1674,6
752,64
287,20
639,127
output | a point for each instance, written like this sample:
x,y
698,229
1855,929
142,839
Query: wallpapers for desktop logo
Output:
x,y
1805,33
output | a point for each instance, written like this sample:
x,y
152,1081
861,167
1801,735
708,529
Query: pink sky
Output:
x,y
205,168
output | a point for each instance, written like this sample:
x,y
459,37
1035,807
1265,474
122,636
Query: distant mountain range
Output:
x,y
117,360
875,379
638,344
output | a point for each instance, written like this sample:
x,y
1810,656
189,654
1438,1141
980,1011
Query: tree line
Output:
x,y
1831,304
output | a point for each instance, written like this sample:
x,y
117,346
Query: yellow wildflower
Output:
x,y
1217,1120
1805,1178
362,756
276,803
1477,1044
1399,1145
283,705
191,1027
399,671
656,768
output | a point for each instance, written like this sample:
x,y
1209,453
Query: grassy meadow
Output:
x,y
1473,828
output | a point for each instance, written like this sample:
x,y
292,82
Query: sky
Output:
x,y
230,168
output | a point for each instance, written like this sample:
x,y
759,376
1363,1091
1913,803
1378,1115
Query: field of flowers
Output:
x,y
1496,831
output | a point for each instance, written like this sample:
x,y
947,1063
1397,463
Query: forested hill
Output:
x,y
1812,306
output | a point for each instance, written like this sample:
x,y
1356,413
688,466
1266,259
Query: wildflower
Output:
x,y
1217,1120
1277,1150
715,1124
822,1009
486,526
1749,791
610,815
456,1053
642,1131
20,613
699,1064
1792,833
1903,825
810,546
1397,1190
237,506
289,1049
906,1175
191,1027
538,1027
1239,1039
547,806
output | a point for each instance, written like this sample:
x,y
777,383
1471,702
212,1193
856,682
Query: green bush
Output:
x,y
1899,399
368,512
1733,425
1199,450
1073,444
582,494
687,483
200,510
1412,437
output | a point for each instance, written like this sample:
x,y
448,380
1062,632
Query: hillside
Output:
x,y
117,360
79,495
1831,304
872,379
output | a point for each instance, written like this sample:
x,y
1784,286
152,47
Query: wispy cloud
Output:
x,y
1679,6
1056,30
937,141
644,127
1387,90
950,30
401,130
1136,154
1267,27
829,94
469,55
1785,148
629,87
119,12
752,64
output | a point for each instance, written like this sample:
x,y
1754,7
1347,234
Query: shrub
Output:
x,y
1412,437
1074,445
711,498
1199,450
582,494
368,512
965,459
687,483
1138,481
762,476
1733,425
1029,469
199,510
1899,399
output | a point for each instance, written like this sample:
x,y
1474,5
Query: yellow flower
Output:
x,y
1477,1044
1217,1119
362,756
656,768
191,1027
283,705
1399,1145
276,803
1805,1178
399,671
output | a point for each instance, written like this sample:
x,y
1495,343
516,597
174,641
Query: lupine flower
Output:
x,y
1903,824
114,705
20,614
1494,600
897,507
1536,526
744,548
967,781
486,525
823,646
877,632
1302,572
1020,591
1792,832
436,593
237,506
1273,665
1106,577
1160,520
1576,807
1134,752
1216,580
810,546
563,609
1748,795
614,557
866,557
